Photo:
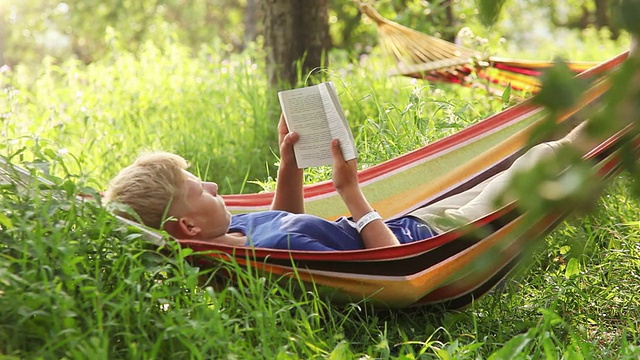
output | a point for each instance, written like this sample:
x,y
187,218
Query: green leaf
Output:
x,y
560,88
5,222
513,347
571,353
550,317
632,223
563,250
185,252
627,15
489,11
442,354
341,351
548,347
506,95
573,268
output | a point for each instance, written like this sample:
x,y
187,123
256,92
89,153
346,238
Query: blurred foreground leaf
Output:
x,y
560,88
489,11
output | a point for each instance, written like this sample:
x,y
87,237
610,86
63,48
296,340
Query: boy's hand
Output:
x,y
345,179
345,173
286,140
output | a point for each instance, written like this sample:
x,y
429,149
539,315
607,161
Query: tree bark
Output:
x,y
295,34
602,15
251,21
3,36
603,18
450,19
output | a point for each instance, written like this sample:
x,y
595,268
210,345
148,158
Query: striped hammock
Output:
x,y
449,270
423,56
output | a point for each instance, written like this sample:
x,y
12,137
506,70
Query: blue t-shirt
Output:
x,y
283,230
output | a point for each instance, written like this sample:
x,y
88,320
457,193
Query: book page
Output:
x,y
337,122
307,113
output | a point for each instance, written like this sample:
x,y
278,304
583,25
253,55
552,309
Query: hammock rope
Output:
x,y
423,56
411,48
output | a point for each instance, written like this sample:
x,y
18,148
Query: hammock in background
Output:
x,y
426,57
449,270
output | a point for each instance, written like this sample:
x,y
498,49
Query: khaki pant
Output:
x,y
480,200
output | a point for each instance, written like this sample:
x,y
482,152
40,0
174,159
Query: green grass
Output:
x,y
75,283
214,111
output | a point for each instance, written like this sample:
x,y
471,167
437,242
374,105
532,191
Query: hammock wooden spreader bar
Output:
x,y
410,47
450,269
423,56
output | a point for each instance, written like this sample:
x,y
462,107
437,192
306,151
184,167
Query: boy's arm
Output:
x,y
345,179
289,181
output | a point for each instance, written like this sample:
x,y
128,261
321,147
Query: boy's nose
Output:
x,y
212,188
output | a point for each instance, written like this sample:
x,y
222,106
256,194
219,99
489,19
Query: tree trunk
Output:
x,y
602,16
450,20
295,33
251,21
3,36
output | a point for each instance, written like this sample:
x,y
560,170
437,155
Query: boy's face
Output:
x,y
204,208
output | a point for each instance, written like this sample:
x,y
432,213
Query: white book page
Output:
x,y
306,113
337,122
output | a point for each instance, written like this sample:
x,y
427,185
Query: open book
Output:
x,y
315,113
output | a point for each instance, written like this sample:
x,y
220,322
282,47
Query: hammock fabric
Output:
x,y
426,57
451,269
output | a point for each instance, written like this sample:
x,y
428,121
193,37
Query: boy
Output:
x,y
158,187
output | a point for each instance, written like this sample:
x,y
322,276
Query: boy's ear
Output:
x,y
187,226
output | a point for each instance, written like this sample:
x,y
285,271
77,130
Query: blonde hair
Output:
x,y
149,186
